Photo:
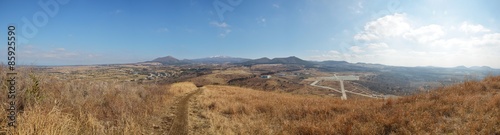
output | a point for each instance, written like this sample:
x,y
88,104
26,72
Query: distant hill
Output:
x,y
288,60
264,60
481,68
219,60
331,62
170,60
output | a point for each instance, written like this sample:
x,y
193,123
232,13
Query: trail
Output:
x,y
180,125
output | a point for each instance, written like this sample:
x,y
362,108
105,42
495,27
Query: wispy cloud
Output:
x,y
225,33
220,25
60,49
224,28
162,30
118,11
357,8
32,52
276,5
261,20
471,28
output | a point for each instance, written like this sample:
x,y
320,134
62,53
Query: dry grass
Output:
x,y
469,108
57,106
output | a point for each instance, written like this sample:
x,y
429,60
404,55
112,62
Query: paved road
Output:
x,y
325,87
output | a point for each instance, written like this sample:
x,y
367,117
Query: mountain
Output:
x,y
288,60
331,62
461,68
169,60
219,60
481,68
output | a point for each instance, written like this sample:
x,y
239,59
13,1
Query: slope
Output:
x,y
469,108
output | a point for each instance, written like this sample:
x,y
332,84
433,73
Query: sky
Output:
x,y
443,33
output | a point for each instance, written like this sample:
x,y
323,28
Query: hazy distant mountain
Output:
x,y
169,60
481,68
461,67
331,62
219,60
332,66
288,60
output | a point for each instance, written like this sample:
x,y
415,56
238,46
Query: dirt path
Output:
x,y
180,124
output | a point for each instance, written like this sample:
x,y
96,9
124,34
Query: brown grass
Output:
x,y
88,106
56,106
468,108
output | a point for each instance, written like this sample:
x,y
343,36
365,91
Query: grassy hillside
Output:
x,y
48,105
468,108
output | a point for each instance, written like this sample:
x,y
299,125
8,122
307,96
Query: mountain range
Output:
x,y
331,65
170,60
386,79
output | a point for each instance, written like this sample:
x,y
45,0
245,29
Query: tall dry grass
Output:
x,y
469,108
48,105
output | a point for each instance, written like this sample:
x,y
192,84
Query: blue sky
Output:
x,y
394,32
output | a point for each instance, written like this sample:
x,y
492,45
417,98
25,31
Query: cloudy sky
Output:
x,y
441,33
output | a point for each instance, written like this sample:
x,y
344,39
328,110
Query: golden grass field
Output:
x,y
49,105
469,108
58,106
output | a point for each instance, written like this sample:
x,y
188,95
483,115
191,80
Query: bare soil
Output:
x,y
180,125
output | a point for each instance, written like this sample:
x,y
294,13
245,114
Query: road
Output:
x,y
325,87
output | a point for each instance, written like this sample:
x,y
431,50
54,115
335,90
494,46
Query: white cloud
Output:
x,y
426,34
360,4
374,46
356,49
366,36
225,32
471,28
330,55
393,40
387,26
475,42
358,8
224,28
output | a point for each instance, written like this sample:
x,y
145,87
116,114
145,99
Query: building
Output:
x,y
265,76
